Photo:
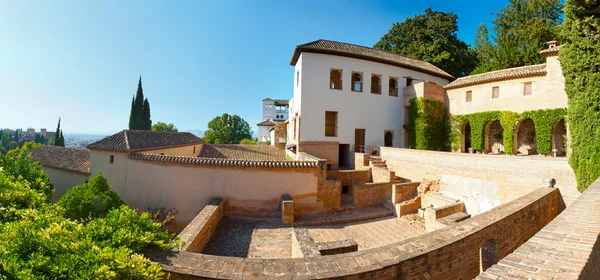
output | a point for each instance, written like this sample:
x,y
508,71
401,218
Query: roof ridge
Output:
x,y
223,161
496,71
127,147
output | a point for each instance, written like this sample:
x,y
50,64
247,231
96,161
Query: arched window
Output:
x,y
525,138
393,87
375,84
335,79
357,82
559,134
494,137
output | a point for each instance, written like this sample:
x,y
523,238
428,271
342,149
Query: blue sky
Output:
x,y
198,59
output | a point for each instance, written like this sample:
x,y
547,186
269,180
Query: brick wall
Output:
x,y
361,161
370,194
435,213
381,174
350,177
515,176
287,210
198,232
449,253
324,150
403,191
567,248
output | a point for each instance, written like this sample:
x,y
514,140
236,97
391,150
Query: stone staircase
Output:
x,y
379,162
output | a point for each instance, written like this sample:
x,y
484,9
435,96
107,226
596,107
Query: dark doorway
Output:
x,y
359,140
388,139
559,133
489,254
466,138
525,138
344,156
346,190
346,197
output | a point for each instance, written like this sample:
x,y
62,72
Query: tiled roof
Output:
x,y
223,162
267,123
500,75
70,159
360,52
281,102
139,140
243,152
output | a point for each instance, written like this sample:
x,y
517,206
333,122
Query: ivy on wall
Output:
x,y
427,125
544,121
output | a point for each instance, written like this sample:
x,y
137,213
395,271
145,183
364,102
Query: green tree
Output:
x,y
431,37
227,129
139,118
248,141
522,29
484,50
59,139
92,199
580,62
161,126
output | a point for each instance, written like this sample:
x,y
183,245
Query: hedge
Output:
x,y
544,121
580,61
427,125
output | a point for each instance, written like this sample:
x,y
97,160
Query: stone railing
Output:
x,y
449,253
567,248
197,233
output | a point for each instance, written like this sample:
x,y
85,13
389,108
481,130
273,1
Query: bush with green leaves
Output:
x,y
428,125
90,200
248,141
38,241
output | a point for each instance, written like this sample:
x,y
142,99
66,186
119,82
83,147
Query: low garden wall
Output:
x,y
197,233
449,253
567,248
500,178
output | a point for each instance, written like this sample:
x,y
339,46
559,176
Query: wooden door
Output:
x,y
359,140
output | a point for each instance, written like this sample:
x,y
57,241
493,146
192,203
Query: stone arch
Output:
x,y
525,138
559,133
465,137
494,137
388,139
488,254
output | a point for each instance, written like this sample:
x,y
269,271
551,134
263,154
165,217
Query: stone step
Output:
x,y
343,217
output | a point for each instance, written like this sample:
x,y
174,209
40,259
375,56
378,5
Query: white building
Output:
x,y
349,98
274,111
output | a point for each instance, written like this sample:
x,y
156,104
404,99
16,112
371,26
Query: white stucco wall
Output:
x,y
263,133
547,92
63,180
115,172
374,112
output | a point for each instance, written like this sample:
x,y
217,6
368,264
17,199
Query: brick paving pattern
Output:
x,y
369,234
251,238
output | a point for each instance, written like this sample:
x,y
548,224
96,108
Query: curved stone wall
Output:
x,y
450,253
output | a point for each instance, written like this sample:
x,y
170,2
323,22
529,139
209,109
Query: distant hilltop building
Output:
x,y
43,136
275,111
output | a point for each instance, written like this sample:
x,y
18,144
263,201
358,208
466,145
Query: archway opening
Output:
x,y
335,79
559,135
388,139
525,139
488,254
465,138
494,137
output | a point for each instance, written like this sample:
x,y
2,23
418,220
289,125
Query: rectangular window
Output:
x,y
111,159
527,88
495,92
194,150
469,96
330,123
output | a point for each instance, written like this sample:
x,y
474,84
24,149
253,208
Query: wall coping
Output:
x,y
222,162
453,154
567,248
370,260
191,231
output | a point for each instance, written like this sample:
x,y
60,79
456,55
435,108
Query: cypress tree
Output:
x,y
139,105
146,116
62,139
132,114
57,134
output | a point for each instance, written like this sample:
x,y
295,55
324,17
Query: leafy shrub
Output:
x,y
268,142
428,126
18,162
163,216
92,199
248,141
580,62
17,196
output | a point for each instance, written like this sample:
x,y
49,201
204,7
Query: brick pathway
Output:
x,y
251,238
368,234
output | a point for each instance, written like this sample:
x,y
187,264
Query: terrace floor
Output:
x,y
268,238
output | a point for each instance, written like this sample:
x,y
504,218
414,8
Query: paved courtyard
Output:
x,y
268,238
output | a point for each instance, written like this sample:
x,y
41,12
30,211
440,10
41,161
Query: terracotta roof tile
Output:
x,y
550,51
500,75
243,152
223,161
267,123
366,53
70,159
139,140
